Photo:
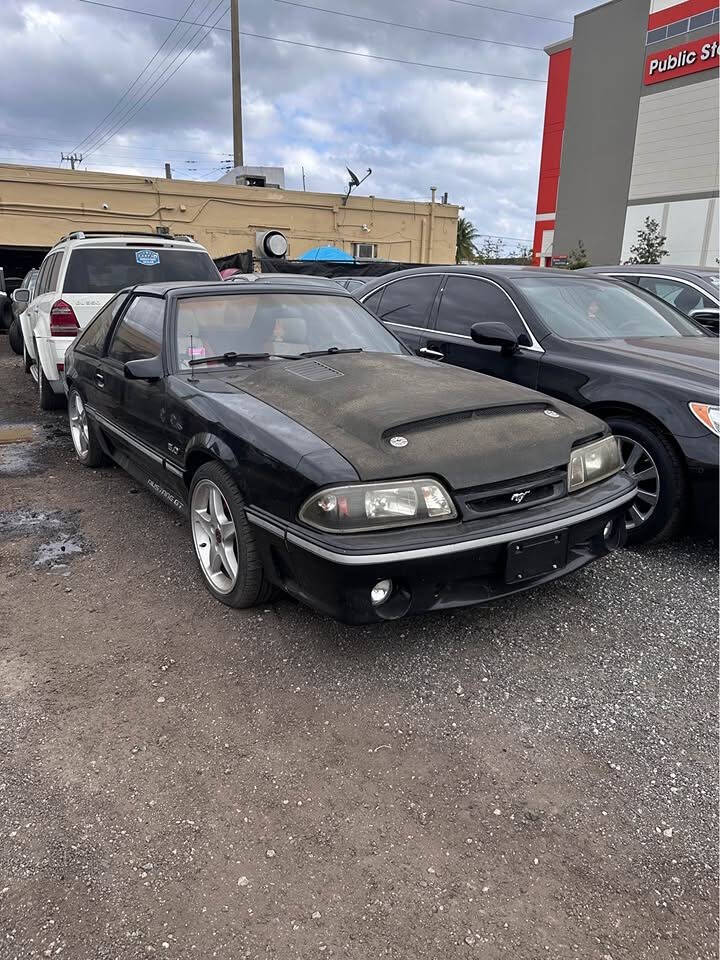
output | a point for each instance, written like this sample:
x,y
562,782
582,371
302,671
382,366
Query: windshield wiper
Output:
x,y
331,350
229,357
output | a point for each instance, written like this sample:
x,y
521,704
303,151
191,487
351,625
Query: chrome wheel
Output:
x,y
642,468
214,536
79,426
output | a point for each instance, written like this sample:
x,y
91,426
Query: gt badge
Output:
x,y
398,441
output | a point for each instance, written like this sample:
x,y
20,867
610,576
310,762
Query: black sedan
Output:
x,y
311,451
694,291
615,350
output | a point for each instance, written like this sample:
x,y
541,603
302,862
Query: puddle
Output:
x,y
22,446
63,542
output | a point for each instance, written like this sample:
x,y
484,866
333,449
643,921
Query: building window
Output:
x,y
654,36
365,251
679,27
702,19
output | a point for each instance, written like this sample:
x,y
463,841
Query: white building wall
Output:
x,y
691,228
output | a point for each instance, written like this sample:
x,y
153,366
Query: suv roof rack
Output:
x,y
85,234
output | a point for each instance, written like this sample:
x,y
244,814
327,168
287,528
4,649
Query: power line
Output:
x,y
135,81
111,133
406,26
186,37
514,13
316,46
133,151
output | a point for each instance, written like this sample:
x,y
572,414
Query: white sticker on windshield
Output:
x,y
147,258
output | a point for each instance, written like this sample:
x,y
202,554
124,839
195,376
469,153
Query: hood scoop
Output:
x,y
313,370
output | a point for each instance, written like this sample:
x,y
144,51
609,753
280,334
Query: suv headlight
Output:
x,y
708,415
373,506
593,462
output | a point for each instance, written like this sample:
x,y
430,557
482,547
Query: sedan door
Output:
x,y
405,306
134,410
466,300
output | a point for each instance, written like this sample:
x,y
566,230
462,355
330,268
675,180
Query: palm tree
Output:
x,y
466,236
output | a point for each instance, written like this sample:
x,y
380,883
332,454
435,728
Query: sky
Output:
x,y
67,64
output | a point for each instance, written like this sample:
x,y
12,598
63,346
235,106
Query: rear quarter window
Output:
x,y
109,269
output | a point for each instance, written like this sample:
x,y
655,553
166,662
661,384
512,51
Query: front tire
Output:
x,y
87,446
15,337
651,458
223,539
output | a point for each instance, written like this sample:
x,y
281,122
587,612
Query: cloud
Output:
x,y
66,63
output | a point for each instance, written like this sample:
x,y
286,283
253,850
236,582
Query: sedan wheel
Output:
x,y
214,536
642,468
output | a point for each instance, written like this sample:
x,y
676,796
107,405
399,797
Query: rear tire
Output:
x,y
223,539
49,400
666,494
15,337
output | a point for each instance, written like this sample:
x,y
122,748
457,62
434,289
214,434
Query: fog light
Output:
x,y
380,592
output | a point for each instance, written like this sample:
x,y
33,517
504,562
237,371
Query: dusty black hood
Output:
x,y
462,426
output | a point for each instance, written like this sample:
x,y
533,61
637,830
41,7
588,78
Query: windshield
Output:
x,y
109,269
579,309
286,324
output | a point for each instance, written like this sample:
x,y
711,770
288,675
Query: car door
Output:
x,y
405,307
134,409
89,350
466,300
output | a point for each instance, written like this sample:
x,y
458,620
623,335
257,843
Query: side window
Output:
x,y
677,293
52,280
410,301
45,268
138,336
93,339
466,301
373,301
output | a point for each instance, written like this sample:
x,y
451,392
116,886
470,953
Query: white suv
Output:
x,y
82,272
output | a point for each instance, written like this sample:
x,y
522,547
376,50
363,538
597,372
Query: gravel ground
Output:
x,y
537,778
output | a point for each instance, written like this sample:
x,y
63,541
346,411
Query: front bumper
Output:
x,y
458,565
701,457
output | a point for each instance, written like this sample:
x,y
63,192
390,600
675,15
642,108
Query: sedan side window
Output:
x,y
679,294
138,336
467,300
410,301
93,339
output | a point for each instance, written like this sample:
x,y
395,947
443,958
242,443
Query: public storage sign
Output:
x,y
687,58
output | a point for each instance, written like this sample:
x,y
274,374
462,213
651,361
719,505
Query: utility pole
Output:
x,y
303,176
236,85
73,158
168,172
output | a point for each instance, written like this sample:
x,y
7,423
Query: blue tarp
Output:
x,y
326,253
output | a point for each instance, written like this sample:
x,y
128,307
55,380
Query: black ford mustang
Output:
x,y
312,451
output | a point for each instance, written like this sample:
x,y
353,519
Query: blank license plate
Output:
x,y
535,558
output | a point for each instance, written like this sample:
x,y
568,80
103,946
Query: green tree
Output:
x,y
466,237
650,244
491,249
578,258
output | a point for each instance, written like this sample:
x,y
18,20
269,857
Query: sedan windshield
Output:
x,y
580,309
278,324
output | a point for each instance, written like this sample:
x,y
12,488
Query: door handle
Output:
x,y
99,379
435,354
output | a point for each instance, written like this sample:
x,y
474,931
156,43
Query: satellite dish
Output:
x,y
355,181
353,178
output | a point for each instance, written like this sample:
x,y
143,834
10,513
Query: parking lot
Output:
x,y
536,778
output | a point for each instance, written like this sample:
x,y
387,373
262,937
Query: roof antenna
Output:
x,y
353,183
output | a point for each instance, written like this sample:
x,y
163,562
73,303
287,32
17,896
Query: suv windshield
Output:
x,y
109,269
286,324
579,309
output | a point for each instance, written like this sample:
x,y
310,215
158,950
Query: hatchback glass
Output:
x,y
281,324
578,309
109,269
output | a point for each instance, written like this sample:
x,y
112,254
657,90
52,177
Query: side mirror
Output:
x,y
150,369
496,334
707,316
21,295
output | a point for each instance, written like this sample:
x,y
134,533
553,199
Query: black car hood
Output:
x,y
465,427
693,360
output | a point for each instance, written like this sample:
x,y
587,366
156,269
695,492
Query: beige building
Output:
x,y
40,204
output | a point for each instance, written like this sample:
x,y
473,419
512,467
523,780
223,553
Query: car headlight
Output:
x,y
593,462
372,506
708,415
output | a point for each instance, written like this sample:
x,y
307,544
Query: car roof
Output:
x,y
668,268
124,239
211,287
495,271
